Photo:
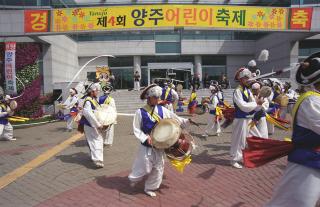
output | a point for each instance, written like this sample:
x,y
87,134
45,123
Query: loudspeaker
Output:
x,y
56,93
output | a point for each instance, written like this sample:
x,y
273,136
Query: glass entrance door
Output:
x,y
182,75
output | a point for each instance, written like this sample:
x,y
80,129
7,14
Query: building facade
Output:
x,y
155,52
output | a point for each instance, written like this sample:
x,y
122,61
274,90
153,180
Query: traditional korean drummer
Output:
x,y
108,100
149,160
92,127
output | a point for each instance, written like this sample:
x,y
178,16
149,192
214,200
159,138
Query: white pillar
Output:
x,y
137,66
47,68
198,65
294,58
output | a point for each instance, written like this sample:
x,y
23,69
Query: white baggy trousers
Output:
x,y
212,125
109,136
239,135
6,131
149,161
95,142
298,187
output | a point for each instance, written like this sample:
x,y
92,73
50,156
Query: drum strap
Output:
x,y
108,100
3,107
152,113
245,92
92,101
167,93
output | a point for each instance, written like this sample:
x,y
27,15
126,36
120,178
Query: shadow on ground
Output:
x,y
205,158
79,158
122,185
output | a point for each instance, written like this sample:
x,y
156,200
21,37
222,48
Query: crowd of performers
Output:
x,y
258,107
81,109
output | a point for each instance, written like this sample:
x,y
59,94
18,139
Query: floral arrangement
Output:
x,y
27,72
27,54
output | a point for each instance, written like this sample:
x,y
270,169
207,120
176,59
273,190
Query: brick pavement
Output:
x,y
69,178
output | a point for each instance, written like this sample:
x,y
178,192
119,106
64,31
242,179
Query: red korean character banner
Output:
x,y
36,21
300,18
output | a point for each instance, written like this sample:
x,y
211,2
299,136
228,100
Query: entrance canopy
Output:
x,y
180,71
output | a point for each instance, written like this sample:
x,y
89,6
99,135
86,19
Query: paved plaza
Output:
x,y
70,179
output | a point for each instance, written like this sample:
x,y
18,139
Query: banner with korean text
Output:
x,y
36,21
157,16
10,67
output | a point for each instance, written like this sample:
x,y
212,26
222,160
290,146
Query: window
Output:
x,y
213,60
214,72
168,47
308,47
166,58
167,38
120,61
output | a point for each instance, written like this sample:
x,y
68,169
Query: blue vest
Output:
x,y
241,114
102,99
83,120
305,140
4,120
147,123
163,95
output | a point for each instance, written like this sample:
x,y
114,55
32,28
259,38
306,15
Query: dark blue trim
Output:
x,y
147,123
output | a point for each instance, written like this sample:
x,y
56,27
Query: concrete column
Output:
x,y
294,58
198,65
47,68
137,65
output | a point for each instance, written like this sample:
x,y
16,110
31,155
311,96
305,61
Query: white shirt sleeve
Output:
x,y
89,115
137,125
243,105
113,104
309,114
175,96
265,105
70,102
169,114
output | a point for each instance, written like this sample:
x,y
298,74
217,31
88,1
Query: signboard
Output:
x,y
10,67
36,21
300,18
161,16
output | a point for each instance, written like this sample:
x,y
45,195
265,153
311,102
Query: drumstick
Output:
x,y
196,124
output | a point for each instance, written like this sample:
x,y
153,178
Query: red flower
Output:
x,y
260,14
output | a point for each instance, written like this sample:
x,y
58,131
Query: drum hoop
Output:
x,y
185,154
152,131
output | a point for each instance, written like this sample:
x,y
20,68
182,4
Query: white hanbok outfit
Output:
x,y
70,104
269,125
93,134
6,130
169,95
300,184
245,106
213,124
108,139
149,161
262,123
